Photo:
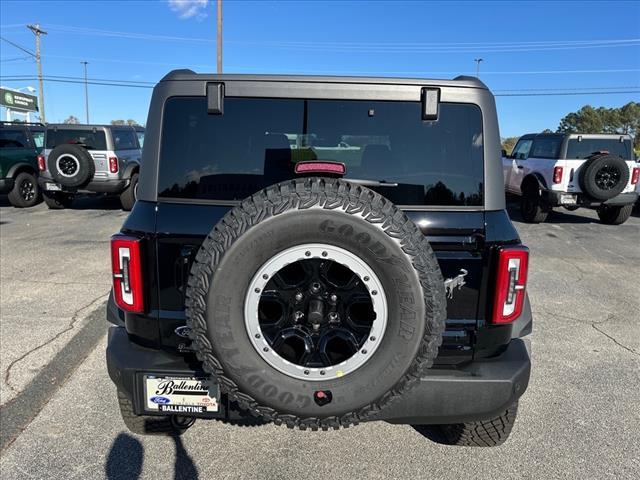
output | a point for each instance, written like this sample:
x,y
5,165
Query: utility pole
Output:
x,y
478,61
38,32
219,42
86,91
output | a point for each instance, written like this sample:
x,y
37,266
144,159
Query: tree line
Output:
x,y
623,120
72,120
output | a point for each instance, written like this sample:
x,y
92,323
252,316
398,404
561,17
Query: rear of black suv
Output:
x,y
319,252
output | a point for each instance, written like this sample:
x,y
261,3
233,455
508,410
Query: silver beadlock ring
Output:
x,y
323,252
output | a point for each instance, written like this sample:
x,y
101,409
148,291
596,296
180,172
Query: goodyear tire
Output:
x,y
604,176
316,247
71,165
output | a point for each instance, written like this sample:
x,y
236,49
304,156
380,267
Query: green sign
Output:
x,y
18,101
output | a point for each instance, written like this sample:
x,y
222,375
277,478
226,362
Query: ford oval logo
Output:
x,y
183,331
160,400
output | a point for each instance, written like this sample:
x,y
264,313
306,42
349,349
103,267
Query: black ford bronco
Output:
x,y
319,252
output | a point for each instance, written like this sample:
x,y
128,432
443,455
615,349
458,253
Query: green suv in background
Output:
x,y
20,144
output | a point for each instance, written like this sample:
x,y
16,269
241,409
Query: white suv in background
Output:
x,y
573,170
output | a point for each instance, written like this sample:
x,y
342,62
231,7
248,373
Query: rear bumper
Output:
x,y
554,199
478,391
6,185
96,186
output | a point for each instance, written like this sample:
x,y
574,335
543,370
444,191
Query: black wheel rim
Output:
x,y
607,177
27,190
68,166
315,313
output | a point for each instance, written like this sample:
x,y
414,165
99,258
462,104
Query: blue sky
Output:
x,y
569,45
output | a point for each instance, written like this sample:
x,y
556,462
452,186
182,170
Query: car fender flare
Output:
x,y
542,184
22,167
130,169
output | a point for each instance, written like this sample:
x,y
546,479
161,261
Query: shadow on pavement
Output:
x,y
82,202
126,458
559,215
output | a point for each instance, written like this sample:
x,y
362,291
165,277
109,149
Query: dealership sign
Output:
x,y
18,101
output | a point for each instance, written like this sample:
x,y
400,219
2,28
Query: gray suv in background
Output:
x,y
90,158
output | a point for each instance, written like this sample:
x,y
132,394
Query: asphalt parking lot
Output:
x,y
579,418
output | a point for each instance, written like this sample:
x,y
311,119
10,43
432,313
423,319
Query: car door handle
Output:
x,y
519,166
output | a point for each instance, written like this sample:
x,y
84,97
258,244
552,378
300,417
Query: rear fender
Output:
x,y
21,167
130,169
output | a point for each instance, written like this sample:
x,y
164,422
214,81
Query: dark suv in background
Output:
x,y
90,158
20,144
318,252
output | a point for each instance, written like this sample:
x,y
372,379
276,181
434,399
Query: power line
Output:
x,y
443,47
497,93
20,47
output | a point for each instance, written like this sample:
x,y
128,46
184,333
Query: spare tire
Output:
x,y
71,165
604,176
315,303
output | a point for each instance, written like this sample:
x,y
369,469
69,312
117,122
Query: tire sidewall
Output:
x,y
593,166
399,344
86,166
16,198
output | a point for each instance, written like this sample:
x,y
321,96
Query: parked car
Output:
x,y
251,286
573,170
90,158
20,144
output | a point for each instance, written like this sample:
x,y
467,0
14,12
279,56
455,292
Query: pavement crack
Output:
x,y
613,339
74,319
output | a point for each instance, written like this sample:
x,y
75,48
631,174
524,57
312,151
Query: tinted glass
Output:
x,y
521,150
588,146
13,139
38,138
257,142
93,140
140,138
546,147
124,139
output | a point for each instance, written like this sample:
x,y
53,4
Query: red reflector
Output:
x,y
335,168
557,175
113,164
511,281
126,266
41,165
635,175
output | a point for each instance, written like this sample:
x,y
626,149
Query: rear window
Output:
x,y
92,139
257,142
124,139
586,147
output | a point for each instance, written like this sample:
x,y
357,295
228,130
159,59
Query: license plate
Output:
x,y
181,395
568,199
52,187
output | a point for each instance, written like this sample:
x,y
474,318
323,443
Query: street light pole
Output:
x,y
478,61
38,32
86,91
219,41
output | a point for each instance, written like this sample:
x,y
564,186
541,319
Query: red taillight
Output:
x,y
511,282
126,266
557,175
41,165
113,164
635,175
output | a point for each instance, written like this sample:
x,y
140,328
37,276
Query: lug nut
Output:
x,y
315,287
333,298
298,315
299,297
333,316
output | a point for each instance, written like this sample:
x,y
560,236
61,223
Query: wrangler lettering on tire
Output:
x,y
335,314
